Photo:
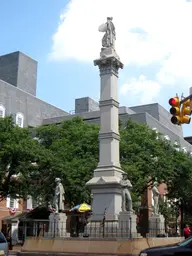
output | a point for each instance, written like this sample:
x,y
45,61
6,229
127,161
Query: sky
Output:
x,y
153,40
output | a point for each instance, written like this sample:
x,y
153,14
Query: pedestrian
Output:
x,y
187,231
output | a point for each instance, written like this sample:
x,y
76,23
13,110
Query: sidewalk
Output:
x,y
16,248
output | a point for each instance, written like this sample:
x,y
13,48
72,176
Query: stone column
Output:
x,y
105,185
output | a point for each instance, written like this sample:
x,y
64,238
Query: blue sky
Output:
x,y
63,37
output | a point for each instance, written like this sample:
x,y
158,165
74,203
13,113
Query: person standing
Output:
x,y
187,231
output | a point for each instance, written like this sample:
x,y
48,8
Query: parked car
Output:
x,y
182,248
4,244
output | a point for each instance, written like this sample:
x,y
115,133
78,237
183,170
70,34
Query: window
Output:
x,y
31,203
2,111
20,119
166,137
12,203
34,203
184,149
156,131
176,146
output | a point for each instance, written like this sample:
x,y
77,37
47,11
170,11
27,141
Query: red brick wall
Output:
x,y
4,211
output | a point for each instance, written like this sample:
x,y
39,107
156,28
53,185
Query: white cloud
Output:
x,y
145,90
164,34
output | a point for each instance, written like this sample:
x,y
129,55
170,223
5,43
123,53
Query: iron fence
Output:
x,y
99,229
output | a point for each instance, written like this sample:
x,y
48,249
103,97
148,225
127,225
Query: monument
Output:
x,y
156,221
58,219
106,184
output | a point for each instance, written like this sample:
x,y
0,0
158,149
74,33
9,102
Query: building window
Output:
x,y
166,137
20,120
31,203
12,203
184,149
2,111
34,203
176,146
156,131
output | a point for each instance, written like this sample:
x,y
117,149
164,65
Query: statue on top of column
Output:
x,y
109,37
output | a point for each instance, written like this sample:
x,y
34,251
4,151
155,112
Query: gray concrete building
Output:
x,y
153,115
18,75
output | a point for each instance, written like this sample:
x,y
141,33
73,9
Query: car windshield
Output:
x,y
185,242
2,238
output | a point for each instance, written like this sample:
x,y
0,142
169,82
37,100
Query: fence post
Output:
x,y
54,227
25,231
130,225
43,229
103,228
156,227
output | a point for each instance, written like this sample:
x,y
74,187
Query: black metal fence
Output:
x,y
104,229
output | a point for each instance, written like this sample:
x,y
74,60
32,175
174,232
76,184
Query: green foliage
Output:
x,y
17,151
75,147
167,210
70,151
144,157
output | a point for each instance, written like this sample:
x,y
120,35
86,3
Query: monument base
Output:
x,y
107,197
128,224
156,225
57,225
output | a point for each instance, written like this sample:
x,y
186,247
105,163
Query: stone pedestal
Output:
x,y
57,225
156,225
127,225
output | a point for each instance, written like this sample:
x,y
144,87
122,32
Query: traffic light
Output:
x,y
186,112
175,110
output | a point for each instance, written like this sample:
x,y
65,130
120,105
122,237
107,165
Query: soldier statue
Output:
x,y
156,194
59,196
126,196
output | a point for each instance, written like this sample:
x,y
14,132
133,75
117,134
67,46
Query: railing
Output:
x,y
106,229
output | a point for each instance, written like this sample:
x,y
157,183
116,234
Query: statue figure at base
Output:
x,y
126,196
59,196
156,194
109,37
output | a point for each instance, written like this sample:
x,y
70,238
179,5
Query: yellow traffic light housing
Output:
x,y
175,110
186,112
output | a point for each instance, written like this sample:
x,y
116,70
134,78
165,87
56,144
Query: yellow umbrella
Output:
x,y
82,208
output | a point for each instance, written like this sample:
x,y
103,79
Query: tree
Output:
x,y
146,158
180,186
74,144
24,163
70,151
17,151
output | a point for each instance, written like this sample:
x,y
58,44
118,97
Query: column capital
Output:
x,y
109,65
